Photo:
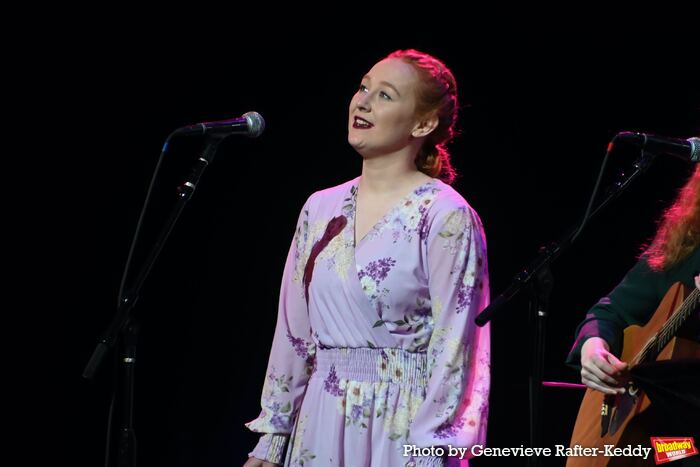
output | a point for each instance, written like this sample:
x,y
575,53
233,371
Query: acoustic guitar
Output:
x,y
618,419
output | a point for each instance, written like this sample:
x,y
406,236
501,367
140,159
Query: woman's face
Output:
x,y
383,110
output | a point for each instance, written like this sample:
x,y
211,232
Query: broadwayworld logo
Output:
x,y
671,449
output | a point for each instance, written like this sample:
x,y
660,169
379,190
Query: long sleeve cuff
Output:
x,y
594,328
270,448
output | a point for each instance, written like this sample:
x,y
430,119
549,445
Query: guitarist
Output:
x,y
673,256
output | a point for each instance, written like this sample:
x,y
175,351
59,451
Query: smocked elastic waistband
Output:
x,y
373,365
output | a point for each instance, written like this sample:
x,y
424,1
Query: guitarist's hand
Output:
x,y
697,281
600,369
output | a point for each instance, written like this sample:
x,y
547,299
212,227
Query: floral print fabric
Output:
x,y
377,348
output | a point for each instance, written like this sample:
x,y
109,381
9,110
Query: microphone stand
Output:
x,y
124,327
538,278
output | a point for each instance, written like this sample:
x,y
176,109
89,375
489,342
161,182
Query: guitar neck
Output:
x,y
668,331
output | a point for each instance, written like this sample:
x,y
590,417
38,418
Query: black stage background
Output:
x,y
537,117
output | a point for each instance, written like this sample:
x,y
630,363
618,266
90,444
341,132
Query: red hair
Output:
x,y
436,93
679,230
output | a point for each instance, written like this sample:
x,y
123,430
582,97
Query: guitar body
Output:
x,y
634,428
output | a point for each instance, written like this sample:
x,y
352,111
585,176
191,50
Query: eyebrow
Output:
x,y
386,83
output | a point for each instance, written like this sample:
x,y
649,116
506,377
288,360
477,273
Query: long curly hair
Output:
x,y
437,93
679,229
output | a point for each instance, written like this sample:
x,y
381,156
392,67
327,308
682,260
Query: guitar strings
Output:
x,y
656,344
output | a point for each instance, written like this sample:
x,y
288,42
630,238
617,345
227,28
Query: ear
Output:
x,y
425,126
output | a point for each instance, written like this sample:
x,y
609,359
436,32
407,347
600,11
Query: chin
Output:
x,y
359,148
355,142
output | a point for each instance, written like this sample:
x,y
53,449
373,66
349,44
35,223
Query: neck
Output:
x,y
391,173
386,176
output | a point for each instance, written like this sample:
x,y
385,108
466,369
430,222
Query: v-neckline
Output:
x,y
399,203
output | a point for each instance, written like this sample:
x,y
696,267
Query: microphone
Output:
x,y
250,124
687,149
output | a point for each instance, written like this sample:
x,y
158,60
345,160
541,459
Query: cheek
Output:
x,y
397,118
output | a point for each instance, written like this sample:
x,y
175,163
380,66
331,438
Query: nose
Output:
x,y
363,102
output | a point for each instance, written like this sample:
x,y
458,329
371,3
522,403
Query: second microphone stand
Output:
x,y
538,278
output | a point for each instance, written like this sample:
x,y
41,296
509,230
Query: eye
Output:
x,y
363,88
385,96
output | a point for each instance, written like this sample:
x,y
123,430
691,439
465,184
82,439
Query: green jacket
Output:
x,y
633,301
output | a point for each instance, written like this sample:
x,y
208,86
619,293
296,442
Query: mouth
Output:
x,y
361,124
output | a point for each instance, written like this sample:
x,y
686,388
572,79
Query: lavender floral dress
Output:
x,y
375,345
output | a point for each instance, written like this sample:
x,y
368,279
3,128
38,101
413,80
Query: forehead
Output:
x,y
394,71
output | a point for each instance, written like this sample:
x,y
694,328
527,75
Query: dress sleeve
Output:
x,y
633,301
455,409
291,357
